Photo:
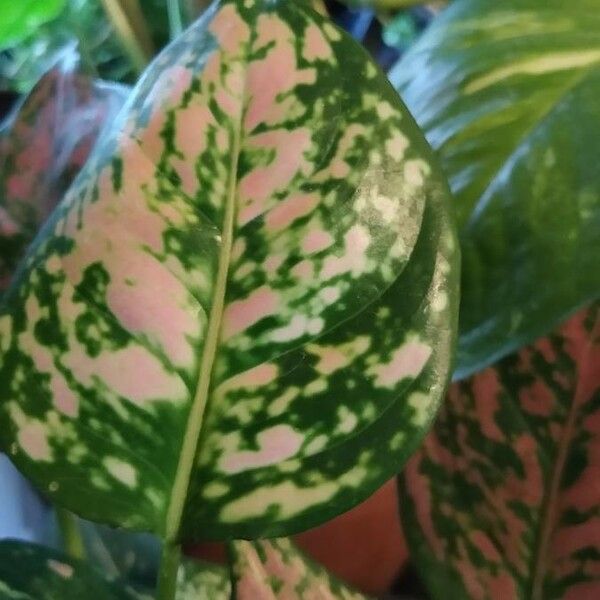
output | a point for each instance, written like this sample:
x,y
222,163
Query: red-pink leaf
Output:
x,y
503,499
43,146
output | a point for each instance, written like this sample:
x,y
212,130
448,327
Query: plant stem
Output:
x,y
167,575
175,21
128,20
71,535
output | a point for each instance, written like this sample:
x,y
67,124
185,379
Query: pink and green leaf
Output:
x,y
276,570
43,146
239,322
503,499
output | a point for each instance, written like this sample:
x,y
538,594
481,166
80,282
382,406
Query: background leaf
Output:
x,y
203,580
21,19
507,94
239,322
31,572
502,500
43,146
276,570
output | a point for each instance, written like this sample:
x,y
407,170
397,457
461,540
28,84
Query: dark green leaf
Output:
x,y
22,18
507,93
239,321
503,500
30,572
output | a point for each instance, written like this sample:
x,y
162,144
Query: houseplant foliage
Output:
x,y
273,569
239,320
43,147
31,572
502,499
507,94
20,19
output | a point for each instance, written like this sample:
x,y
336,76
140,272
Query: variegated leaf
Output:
x,y
507,93
276,570
503,499
239,321
197,580
43,146
31,572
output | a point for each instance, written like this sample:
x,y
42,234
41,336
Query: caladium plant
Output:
x,y
239,320
502,499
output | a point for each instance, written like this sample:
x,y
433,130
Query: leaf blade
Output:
x,y
130,266
507,99
500,501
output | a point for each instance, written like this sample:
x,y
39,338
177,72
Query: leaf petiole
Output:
x,y
167,575
71,534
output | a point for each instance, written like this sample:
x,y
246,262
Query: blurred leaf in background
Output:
x,y
21,19
86,22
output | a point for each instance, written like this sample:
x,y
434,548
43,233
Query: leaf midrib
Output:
x,y
548,513
209,353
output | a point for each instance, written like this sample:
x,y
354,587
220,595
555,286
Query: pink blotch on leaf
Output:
x,y
274,75
32,438
316,240
486,388
231,31
258,187
407,361
316,46
241,314
132,373
289,210
537,399
275,445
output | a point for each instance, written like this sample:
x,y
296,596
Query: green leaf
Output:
x,y
31,572
385,4
507,93
21,19
239,321
503,501
274,569
43,147
203,580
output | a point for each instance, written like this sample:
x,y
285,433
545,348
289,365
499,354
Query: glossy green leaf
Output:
x,y
507,93
31,572
198,580
43,146
239,322
21,19
276,570
503,500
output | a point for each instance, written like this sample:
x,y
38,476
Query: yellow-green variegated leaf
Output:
x,y
507,93
31,572
276,570
197,580
239,321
